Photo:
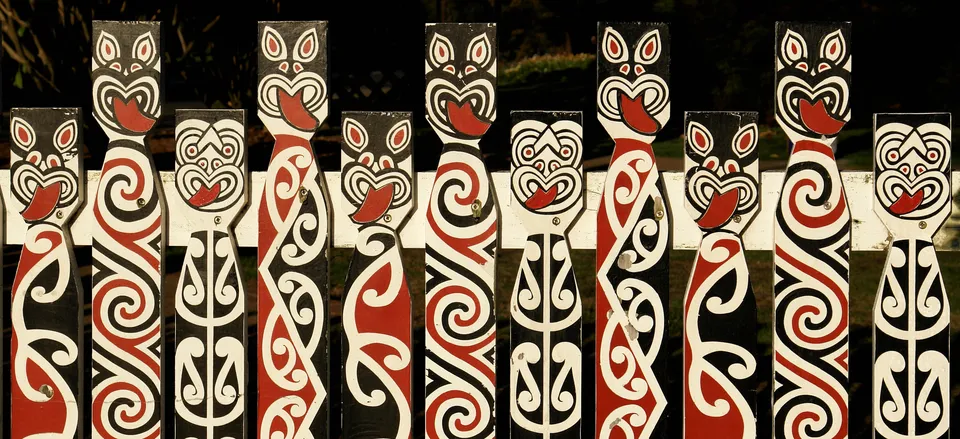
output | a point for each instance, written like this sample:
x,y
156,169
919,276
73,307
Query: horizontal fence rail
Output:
x,y
868,233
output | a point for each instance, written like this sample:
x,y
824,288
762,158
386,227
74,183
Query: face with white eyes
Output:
x,y
813,80
45,145
210,167
547,173
461,75
722,189
377,166
912,169
633,71
292,64
126,77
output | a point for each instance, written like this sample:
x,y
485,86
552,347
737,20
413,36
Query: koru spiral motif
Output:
x,y
719,308
128,240
911,315
377,338
46,360
546,179
461,235
633,232
210,356
811,234
294,223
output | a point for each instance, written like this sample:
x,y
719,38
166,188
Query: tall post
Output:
x,y
633,232
911,316
546,179
719,308
461,237
46,312
811,233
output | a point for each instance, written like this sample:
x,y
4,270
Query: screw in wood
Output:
x,y
46,390
658,208
303,194
827,205
387,218
141,202
476,207
923,224
736,218
556,221
59,214
216,219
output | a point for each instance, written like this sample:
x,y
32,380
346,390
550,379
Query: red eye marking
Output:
x,y
565,152
802,66
135,68
479,51
53,162
469,69
745,141
638,69
833,49
307,45
921,169
539,165
625,69
385,164
115,66
905,169
355,136
297,67
651,46
365,160
528,152
823,66
449,69
228,150
614,47
932,155
892,156
398,138
108,50
731,168
66,136
191,150
272,44
794,49
711,163
33,159
441,51
284,66
23,135
699,139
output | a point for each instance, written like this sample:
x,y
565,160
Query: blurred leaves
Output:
x,y
527,70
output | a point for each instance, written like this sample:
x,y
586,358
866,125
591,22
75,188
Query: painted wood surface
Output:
x,y
46,312
911,315
128,235
210,372
377,339
460,234
633,232
545,308
811,234
293,374
719,308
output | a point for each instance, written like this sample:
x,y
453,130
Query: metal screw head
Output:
x,y
303,194
216,219
923,224
387,218
658,214
59,214
476,207
141,202
736,218
556,221
828,205
46,390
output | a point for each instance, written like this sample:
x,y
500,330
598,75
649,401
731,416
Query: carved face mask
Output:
x,y
45,161
292,64
126,76
210,158
377,165
546,173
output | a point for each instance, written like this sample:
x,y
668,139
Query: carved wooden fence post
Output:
x,y
461,236
294,221
911,315
211,319
128,238
633,231
378,191
546,179
811,233
46,346
719,308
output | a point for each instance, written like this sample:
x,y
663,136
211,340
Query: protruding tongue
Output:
x,y
375,204
720,209
635,115
541,199
294,111
907,203
43,202
130,117
464,120
817,119
205,195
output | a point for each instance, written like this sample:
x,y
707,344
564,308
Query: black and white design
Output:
x,y
377,166
210,162
292,92
126,77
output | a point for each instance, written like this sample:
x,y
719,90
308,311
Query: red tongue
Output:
x,y
541,199
906,203
720,209
635,114
44,200
205,195
129,115
374,205
294,111
464,121
816,118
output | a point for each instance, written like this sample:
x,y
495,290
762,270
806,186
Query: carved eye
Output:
x,y
191,150
202,163
53,161
297,67
144,48
366,158
386,163
116,66
284,66
711,163
539,165
613,46
66,135
527,152
823,67
905,169
625,69
399,136
793,49
469,69
745,140
107,48
648,50
638,69
441,51
217,163
566,152
479,50
803,66
834,47
135,68
699,137
732,167
450,69
893,156
22,133
921,169
272,45
34,157
308,46
354,134
554,166
933,155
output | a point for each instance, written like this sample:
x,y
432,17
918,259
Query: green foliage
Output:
x,y
536,66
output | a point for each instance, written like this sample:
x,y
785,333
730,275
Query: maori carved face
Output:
x,y
722,189
813,80
377,164
211,167
45,146
461,74
546,174
292,62
912,170
126,77
633,71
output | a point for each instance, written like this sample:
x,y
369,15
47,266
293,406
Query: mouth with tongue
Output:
x,y
907,203
541,198
817,119
720,209
464,120
635,115
205,195
375,204
130,117
44,200
295,112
